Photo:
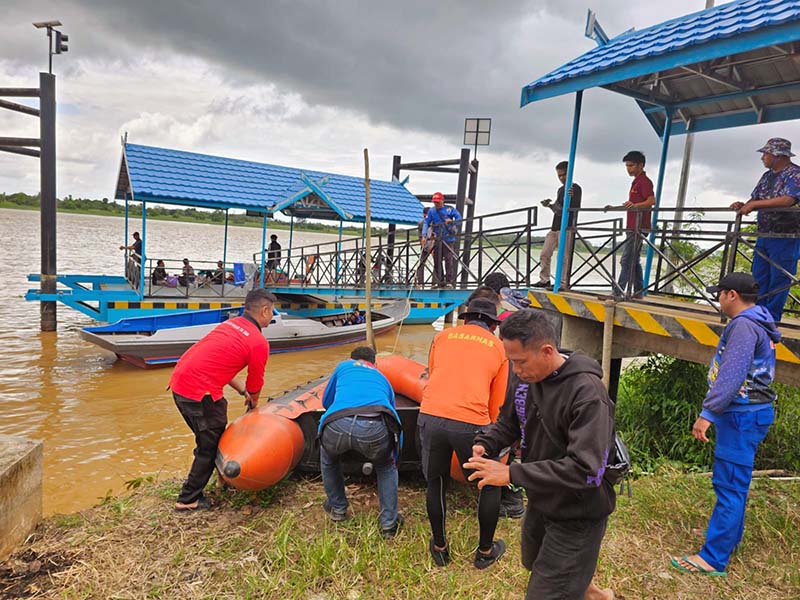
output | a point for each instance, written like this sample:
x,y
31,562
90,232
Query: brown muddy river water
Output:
x,y
104,422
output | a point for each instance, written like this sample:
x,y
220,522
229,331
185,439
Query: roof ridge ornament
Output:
x,y
593,29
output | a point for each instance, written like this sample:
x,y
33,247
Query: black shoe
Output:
x,y
512,506
440,557
392,531
541,284
335,514
485,560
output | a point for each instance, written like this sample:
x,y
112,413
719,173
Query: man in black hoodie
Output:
x,y
558,407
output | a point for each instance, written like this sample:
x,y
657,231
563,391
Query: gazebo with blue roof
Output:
x,y
149,174
728,66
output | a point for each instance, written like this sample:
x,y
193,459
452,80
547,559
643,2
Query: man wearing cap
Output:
x,y
442,226
739,404
468,373
774,257
199,378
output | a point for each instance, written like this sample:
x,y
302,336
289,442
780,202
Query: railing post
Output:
x,y
528,245
144,250
659,187
562,236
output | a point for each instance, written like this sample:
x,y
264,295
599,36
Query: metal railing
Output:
x,y
207,281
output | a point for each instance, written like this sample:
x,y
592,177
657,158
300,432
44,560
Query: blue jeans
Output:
x,y
738,436
370,437
784,252
631,250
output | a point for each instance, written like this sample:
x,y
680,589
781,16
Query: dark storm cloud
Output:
x,y
416,65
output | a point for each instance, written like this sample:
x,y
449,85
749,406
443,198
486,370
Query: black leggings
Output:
x,y
440,438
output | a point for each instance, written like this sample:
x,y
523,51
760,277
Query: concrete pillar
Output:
x,y
20,490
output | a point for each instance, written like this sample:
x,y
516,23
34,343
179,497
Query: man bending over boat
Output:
x,y
360,415
199,378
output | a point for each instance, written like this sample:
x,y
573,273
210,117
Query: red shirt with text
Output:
x,y
212,362
641,190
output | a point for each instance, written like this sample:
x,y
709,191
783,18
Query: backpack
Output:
x,y
618,464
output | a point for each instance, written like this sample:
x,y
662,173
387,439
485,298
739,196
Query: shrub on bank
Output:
x,y
661,397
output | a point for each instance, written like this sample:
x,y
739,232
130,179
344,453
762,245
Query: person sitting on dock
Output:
x,y
199,378
187,276
468,372
551,239
739,405
218,275
159,274
442,224
637,222
558,409
360,415
774,257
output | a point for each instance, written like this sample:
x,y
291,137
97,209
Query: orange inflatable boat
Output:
x,y
262,446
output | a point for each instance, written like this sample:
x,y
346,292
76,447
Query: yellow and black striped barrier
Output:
x,y
669,319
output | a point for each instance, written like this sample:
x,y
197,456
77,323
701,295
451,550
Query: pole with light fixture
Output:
x,y
477,133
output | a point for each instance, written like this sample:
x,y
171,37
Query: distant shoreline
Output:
x,y
273,224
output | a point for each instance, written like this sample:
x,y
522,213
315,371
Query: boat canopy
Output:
x,y
732,65
175,177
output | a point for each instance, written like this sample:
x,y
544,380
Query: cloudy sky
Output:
x,y
310,84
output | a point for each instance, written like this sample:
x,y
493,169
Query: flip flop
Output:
x,y
203,503
699,570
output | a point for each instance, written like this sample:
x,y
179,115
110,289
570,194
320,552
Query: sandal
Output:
x,y
202,503
696,569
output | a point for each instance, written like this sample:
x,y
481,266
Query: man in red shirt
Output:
x,y
637,224
199,377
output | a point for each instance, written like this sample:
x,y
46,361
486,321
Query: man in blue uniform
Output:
x,y
739,404
775,258
442,226
360,415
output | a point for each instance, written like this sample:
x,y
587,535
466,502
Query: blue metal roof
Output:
x,y
166,176
735,27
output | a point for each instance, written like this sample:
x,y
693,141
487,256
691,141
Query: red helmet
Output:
x,y
438,197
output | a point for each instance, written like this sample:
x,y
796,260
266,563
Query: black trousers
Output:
x,y
440,438
561,555
207,420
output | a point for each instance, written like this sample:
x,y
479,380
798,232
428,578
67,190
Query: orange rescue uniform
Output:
x,y
468,374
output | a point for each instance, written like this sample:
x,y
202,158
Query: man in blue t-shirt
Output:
x,y
739,405
779,187
442,227
360,415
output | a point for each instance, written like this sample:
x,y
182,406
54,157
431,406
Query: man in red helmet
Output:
x,y
442,227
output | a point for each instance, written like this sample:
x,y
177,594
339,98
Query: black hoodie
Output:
x,y
563,477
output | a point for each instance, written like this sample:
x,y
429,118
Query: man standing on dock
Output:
x,y
637,222
774,257
551,239
200,376
442,222
739,404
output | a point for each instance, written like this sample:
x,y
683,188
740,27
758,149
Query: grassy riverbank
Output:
x,y
279,544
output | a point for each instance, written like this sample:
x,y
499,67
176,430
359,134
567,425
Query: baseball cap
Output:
x,y
437,197
481,307
744,283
